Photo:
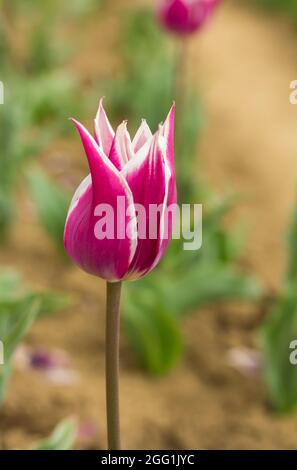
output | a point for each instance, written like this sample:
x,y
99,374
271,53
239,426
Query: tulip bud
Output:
x,y
184,17
107,231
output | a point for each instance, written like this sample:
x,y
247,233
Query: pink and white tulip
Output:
x,y
184,17
141,171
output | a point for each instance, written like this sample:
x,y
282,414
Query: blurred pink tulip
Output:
x,y
53,365
141,172
184,17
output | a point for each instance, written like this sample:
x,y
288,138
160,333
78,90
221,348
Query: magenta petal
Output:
x,y
104,133
146,177
107,258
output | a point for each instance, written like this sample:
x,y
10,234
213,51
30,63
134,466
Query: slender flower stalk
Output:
x,y
120,243
181,75
113,299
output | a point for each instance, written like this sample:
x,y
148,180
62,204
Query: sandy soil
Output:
x,y
244,64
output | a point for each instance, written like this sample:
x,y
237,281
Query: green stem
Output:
x,y
112,364
181,74
180,92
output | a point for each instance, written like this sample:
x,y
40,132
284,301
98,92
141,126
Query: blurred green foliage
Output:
x,y
62,438
145,87
13,156
19,308
279,330
52,205
38,95
20,143
288,7
152,328
53,8
16,318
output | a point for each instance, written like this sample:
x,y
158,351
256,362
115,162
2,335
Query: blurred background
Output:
x,y
207,337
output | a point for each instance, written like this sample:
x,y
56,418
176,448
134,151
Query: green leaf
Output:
x,y
207,283
6,214
18,310
62,438
10,284
292,248
276,335
153,331
17,322
16,318
51,302
288,7
12,289
52,206
48,98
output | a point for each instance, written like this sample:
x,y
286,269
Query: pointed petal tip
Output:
x,y
123,127
101,104
79,126
169,121
100,108
101,113
75,122
172,109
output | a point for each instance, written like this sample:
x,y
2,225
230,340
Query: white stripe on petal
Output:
x,y
103,130
80,191
142,136
135,163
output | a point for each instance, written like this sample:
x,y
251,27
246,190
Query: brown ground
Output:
x,y
244,64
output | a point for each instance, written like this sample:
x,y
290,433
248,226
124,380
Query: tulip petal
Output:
x,y
121,150
167,131
147,180
166,220
168,134
82,188
108,258
104,133
142,136
166,223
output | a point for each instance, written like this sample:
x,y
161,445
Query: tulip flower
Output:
x,y
107,230
184,17
135,172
